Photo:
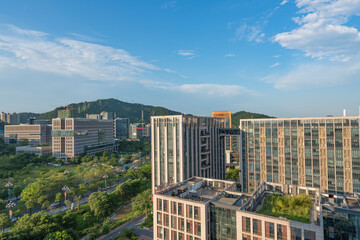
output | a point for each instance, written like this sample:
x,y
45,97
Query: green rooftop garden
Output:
x,y
293,208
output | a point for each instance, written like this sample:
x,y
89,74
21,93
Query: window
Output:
x,y
166,220
281,232
309,235
189,211
159,204
246,224
181,223
269,230
173,209
257,226
165,205
296,234
159,218
173,222
189,226
196,213
180,211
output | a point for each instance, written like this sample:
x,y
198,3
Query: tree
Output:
x,y
233,174
4,221
58,197
58,236
2,204
142,201
34,195
100,203
77,201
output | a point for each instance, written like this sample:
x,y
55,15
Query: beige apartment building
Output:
x,y
314,152
75,136
210,209
35,134
186,146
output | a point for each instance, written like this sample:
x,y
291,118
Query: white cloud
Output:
x,y
186,53
202,89
309,76
230,55
284,2
322,33
170,4
275,65
33,50
249,33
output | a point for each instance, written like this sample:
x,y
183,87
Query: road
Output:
x,y
131,224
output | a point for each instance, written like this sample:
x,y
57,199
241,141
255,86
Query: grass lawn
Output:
x,y
293,208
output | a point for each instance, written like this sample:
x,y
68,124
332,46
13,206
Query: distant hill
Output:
x,y
25,116
235,117
122,109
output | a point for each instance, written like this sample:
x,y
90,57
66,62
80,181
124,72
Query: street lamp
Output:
x,y
95,165
8,185
65,189
10,205
105,177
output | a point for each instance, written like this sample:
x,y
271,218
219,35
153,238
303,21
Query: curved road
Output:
x,y
131,224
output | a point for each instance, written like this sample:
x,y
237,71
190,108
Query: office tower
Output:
x,y
35,134
75,136
314,152
203,208
147,130
186,146
232,143
136,131
122,128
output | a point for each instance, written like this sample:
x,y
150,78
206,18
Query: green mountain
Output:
x,y
235,117
25,116
122,109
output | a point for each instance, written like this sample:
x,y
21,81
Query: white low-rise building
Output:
x,y
38,150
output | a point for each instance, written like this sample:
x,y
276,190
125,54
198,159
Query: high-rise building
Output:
x,y
203,209
232,143
34,134
75,136
314,152
136,131
10,118
108,115
186,146
121,128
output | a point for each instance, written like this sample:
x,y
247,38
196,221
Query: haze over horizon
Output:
x,y
285,58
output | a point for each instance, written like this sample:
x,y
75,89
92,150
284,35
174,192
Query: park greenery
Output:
x,y
295,208
41,185
233,174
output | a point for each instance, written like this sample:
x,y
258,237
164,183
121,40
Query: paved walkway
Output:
x,y
131,224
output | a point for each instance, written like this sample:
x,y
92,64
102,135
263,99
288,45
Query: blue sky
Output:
x,y
283,58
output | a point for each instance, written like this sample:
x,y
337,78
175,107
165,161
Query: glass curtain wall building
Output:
x,y
186,146
312,152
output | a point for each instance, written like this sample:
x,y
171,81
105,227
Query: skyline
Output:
x,y
219,55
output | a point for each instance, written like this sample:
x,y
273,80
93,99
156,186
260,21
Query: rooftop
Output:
x,y
341,201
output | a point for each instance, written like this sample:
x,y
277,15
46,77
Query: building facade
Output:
x,y
136,131
232,143
37,150
121,130
211,209
34,134
75,136
186,146
313,152
10,118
